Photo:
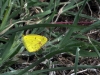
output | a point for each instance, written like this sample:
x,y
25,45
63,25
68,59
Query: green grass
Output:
x,y
13,26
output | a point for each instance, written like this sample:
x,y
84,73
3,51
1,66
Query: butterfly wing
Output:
x,y
33,42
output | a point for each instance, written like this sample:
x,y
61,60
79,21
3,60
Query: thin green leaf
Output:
x,y
76,61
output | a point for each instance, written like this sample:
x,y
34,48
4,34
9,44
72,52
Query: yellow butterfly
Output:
x,y
33,42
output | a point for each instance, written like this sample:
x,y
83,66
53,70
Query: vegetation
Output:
x,y
21,17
